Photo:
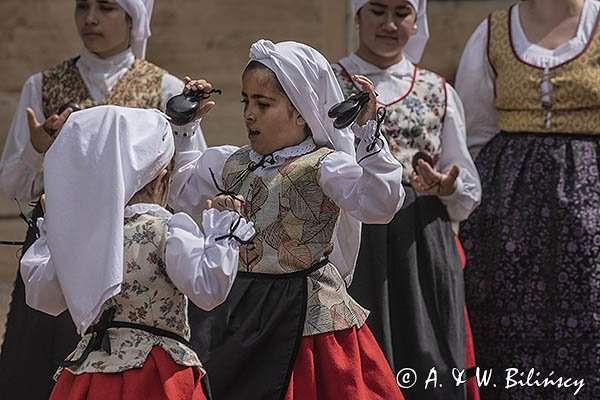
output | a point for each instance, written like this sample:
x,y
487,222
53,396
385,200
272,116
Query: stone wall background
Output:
x,y
200,38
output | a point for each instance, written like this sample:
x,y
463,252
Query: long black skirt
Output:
x,y
34,342
409,275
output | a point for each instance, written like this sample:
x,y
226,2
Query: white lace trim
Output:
x,y
146,208
281,156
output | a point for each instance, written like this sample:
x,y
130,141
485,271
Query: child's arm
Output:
x,y
197,168
369,188
204,265
42,289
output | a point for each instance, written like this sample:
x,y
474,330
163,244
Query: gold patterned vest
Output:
x,y
413,122
295,222
575,98
139,87
147,297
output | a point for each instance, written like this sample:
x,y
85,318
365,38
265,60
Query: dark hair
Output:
x,y
254,66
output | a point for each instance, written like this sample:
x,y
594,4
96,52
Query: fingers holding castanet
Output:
x,y
370,111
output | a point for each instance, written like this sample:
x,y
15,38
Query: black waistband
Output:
x,y
303,272
100,339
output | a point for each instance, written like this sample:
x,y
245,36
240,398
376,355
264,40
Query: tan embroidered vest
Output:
x,y
147,297
139,87
414,122
575,107
294,223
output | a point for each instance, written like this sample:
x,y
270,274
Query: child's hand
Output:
x,y
370,111
428,181
199,85
42,135
224,202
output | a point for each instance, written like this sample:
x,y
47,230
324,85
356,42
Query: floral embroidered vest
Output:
x,y
139,87
147,297
575,98
295,223
414,122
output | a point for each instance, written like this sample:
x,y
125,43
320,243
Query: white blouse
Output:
x,y
200,266
370,191
475,77
392,83
21,166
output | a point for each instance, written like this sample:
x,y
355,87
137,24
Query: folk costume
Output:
x,y
409,272
34,342
125,273
289,311
533,246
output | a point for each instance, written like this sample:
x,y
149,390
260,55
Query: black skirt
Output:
x,y
34,342
409,275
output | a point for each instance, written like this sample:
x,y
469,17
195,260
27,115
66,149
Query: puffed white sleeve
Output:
x,y
204,265
21,166
197,174
454,152
368,187
172,86
42,288
475,80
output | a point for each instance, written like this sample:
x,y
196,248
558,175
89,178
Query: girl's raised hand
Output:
x,y
42,135
370,111
199,85
428,181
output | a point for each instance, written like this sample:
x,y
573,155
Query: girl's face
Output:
x,y
271,120
384,28
103,26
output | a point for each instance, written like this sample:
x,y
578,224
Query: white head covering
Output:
x,y
102,157
311,85
140,12
416,44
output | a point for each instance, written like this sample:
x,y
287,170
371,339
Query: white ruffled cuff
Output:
x,y
365,132
184,135
217,223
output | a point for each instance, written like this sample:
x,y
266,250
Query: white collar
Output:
x,y
146,208
354,64
280,156
108,66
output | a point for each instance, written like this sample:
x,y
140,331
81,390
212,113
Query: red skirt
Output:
x,y
472,387
159,379
344,364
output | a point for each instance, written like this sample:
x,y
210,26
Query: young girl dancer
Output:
x,y
123,266
289,328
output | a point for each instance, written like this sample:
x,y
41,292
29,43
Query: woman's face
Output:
x,y
272,123
103,26
384,28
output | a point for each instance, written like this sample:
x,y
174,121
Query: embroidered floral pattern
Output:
x,y
147,297
140,87
294,223
414,123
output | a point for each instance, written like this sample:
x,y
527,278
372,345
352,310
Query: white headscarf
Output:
x,y
311,85
140,12
102,157
416,43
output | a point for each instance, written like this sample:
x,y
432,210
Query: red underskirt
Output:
x,y
159,379
344,364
